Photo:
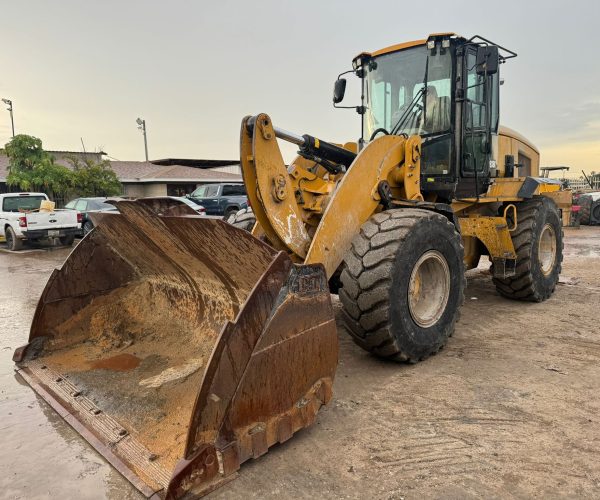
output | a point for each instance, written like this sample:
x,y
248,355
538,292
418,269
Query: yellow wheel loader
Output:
x,y
180,346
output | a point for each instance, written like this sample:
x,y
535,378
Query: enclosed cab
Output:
x,y
446,90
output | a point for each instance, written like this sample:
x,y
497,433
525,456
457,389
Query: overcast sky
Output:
x,y
79,69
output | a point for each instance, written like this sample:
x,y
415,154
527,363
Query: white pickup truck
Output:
x,y
21,219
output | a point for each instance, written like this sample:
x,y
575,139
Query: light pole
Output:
x,y
142,126
8,102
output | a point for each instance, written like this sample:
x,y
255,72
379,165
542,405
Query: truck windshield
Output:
x,y
408,94
22,203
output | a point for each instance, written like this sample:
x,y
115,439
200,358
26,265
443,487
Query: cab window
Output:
x,y
22,203
206,191
234,190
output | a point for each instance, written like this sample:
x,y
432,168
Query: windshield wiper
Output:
x,y
401,121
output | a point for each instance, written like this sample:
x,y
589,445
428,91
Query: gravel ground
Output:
x,y
510,408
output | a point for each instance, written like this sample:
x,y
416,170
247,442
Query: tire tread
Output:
x,y
367,278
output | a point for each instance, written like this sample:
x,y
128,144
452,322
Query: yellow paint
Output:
x,y
397,47
354,201
512,143
279,201
493,232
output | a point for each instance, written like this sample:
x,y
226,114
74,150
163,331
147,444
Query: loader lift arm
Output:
x,y
301,208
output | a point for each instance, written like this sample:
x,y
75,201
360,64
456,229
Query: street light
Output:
x,y
8,102
142,126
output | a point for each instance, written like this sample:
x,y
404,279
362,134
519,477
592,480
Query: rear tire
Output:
x,y
13,243
538,242
87,227
403,284
243,219
585,203
595,213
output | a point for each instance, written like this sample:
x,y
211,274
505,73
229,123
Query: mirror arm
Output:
x,y
345,73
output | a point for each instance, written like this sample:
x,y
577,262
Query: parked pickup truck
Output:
x,y
220,199
22,220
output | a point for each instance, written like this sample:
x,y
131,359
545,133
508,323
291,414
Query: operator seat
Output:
x,y
438,115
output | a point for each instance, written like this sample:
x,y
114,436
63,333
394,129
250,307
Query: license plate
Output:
x,y
53,233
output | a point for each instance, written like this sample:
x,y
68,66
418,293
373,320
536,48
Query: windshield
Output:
x,y
409,92
22,203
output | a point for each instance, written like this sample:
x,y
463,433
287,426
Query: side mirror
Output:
x,y
487,59
339,89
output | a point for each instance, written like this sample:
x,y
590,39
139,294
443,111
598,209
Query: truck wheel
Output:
x,y
244,219
87,227
67,240
403,284
585,203
538,242
12,242
595,213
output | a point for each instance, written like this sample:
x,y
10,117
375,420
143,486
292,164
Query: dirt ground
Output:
x,y
510,408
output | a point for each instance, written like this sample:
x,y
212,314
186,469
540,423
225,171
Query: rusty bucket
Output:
x,y
179,346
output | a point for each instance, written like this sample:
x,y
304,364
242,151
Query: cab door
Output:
x,y
479,123
209,199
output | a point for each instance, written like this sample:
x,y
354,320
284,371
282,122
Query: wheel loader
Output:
x,y
181,346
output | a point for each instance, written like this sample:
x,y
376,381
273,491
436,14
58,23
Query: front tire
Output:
x,y
538,242
403,284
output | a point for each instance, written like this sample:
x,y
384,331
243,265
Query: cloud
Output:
x,y
579,123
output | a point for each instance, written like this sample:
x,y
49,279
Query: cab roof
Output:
x,y
405,45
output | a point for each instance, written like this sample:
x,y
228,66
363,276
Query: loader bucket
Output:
x,y
180,346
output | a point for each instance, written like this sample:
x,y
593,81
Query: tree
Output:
x,y
94,179
32,169
25,152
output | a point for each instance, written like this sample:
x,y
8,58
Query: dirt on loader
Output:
x,y
132,390
510,408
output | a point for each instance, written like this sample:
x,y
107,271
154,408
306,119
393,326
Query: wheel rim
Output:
x,y
547,249
429,289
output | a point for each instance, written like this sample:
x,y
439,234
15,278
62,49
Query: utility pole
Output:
x,y
142,126
8,102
